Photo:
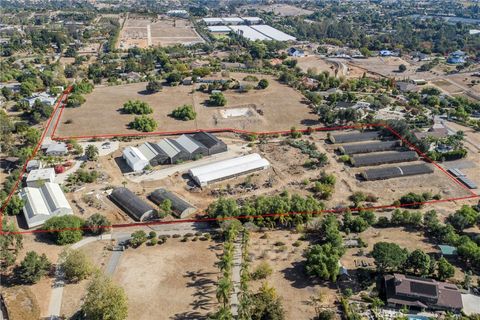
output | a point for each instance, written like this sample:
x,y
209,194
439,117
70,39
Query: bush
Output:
x,y
251,78
137,238
75,100
262,271
144,124
76,265
184,113
217,99
263,84
137,107
33,267
98,224
154,86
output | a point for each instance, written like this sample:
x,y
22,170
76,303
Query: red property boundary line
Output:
x,y
220,130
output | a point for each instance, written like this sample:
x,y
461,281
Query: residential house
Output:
x,y
421,293
43,97
56,149
457,57
295,52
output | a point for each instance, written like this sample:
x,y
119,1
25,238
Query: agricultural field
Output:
x,y
278,107
143,32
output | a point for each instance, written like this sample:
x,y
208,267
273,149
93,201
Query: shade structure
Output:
x,y
372,159
369,147
354,136
397,171
180,207
132,204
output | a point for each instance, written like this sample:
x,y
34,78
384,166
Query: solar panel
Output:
x,y
469,183
425,289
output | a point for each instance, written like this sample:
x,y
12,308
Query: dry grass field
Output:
x,y
288,278
278,107
175,280
315,63
143,32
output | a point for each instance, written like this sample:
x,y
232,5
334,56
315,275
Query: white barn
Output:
x,y
135,159
42,203
226,169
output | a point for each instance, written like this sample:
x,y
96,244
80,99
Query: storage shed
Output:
x,y
226,169
134,158
354,137
369,147
394,172
180,207
132,204
372,159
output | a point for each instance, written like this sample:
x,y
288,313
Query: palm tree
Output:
x,y
91,152
223,291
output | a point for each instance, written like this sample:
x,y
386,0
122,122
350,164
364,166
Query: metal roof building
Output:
x,y
134,158
372,159
395,172
249,33
180,207
354,137
132,204
219,29
226,169
42,203
273,33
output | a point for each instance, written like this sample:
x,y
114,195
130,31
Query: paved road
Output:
x,y
55,305
236,276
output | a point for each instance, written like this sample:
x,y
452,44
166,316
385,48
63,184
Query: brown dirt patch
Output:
x,y
174,280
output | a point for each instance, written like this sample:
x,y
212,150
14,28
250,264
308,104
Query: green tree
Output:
x,y
98,224
144,123
64,229
76,265
402,68
33,267
105,300
184,113
91,151
15,205
138,237
217,99
463,218
154,86
322,261
266,304
10,244
419,262
166,207
445,270
224,289
389,256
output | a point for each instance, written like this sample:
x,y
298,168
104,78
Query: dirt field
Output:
x,y
278,107
175,280
288,278
144,32
315,63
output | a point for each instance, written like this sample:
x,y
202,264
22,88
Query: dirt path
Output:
x,y
236,276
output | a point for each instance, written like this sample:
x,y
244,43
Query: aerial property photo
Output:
x,y
272,160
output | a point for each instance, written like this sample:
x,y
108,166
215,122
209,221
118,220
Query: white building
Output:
x,y
135,159
226,169
43,98
56,149
39,177
43,203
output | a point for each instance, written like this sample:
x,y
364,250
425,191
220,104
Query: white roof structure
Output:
x,y
168,147
56,148
252,19
213,20
227,169
43,97
135,159
219,29
233,20
187,143
45,175
273,33
43,203
249,33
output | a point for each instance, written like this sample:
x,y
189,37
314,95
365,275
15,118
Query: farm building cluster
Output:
x,y
248,27
171,151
